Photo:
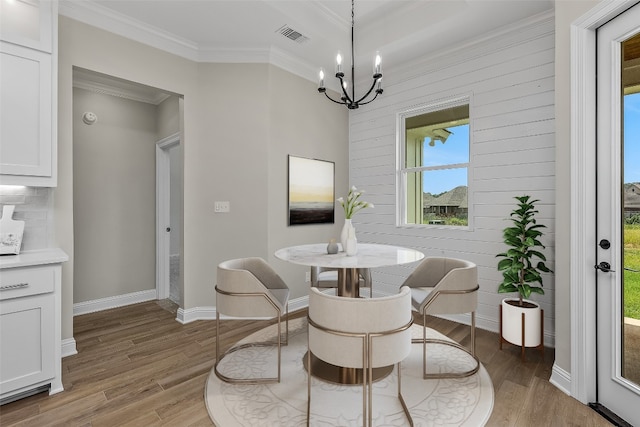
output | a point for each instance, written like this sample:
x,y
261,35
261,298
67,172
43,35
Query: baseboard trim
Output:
x,y
113,302
561,379
197,313
68,347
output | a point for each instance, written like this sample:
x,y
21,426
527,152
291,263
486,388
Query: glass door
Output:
x,y
618,210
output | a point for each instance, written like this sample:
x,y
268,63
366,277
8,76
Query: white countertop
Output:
x,y
30,258
369,256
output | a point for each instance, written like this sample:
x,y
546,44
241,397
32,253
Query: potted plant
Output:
x,y
521,320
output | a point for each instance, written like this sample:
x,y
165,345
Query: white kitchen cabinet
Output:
x,y
28,95
25,82
30,334
28,23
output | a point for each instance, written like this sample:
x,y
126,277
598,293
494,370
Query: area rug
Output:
x,y
448,402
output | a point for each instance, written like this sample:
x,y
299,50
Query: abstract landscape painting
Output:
x,y
311,191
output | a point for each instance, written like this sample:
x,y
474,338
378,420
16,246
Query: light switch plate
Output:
x,y
221,207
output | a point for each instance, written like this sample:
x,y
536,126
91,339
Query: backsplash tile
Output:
x,y
33,206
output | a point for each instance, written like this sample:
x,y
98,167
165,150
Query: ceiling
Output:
x,y
250,30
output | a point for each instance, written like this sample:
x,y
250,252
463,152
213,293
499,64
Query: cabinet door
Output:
x,y
26,118
27,336
28,23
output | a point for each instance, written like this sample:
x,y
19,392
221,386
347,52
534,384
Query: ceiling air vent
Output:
x,y
292,34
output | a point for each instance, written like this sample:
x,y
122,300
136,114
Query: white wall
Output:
x,y
168,117
317,131
510,79
114,196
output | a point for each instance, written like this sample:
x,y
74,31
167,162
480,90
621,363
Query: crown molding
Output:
x,y
292,64
101,17
102,89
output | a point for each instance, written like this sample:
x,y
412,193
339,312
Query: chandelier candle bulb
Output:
x,y
377,67
321,82
339,64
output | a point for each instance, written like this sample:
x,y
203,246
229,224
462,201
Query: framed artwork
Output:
x,y
311,191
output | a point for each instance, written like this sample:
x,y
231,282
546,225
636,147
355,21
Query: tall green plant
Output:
x,y
517,264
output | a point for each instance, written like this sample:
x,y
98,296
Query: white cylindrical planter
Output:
x,y
512,323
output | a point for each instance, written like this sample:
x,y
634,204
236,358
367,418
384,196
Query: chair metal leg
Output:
x,y
404,404
308,382
366,378
279,346
454,344
278,342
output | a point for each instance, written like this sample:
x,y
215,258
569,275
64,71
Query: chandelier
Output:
x,y
350,100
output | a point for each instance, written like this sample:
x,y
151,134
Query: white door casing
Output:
x,y
163,213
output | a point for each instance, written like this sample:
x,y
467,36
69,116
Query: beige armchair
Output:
x,y
352,333
325,277
250,288
444,286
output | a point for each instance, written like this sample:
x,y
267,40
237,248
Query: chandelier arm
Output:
x,y
371,100
333,100
359,101
346,95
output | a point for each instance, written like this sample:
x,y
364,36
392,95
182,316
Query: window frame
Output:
x,y
402,171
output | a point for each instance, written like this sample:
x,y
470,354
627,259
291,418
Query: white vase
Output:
x,y
512,323
345,233
352,242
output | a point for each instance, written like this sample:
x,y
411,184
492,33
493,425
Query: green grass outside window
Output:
x,y
632,279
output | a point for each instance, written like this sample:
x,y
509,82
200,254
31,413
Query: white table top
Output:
x,y
369,256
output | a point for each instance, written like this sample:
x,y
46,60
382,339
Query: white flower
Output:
x,y
353,205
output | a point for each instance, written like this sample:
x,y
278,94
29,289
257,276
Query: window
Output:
x,y
434,164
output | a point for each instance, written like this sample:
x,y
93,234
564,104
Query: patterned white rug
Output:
x,y
450,402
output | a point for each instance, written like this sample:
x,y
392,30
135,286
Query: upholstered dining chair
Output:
x,y
444,286
250,288
353,333
326,277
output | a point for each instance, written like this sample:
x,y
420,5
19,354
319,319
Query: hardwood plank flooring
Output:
x,y
137,366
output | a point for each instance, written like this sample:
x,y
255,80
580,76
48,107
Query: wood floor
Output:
x,y
137,366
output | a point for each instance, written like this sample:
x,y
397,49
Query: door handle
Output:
x,y
605,267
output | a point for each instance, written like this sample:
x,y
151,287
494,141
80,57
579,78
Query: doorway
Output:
x,y
117,124
617,266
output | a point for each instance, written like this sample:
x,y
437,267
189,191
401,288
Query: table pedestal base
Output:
x,y
340,375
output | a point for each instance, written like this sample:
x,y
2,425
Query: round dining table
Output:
x,y
369,255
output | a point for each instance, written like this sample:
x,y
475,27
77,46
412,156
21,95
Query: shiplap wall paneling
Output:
x,y
509,79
